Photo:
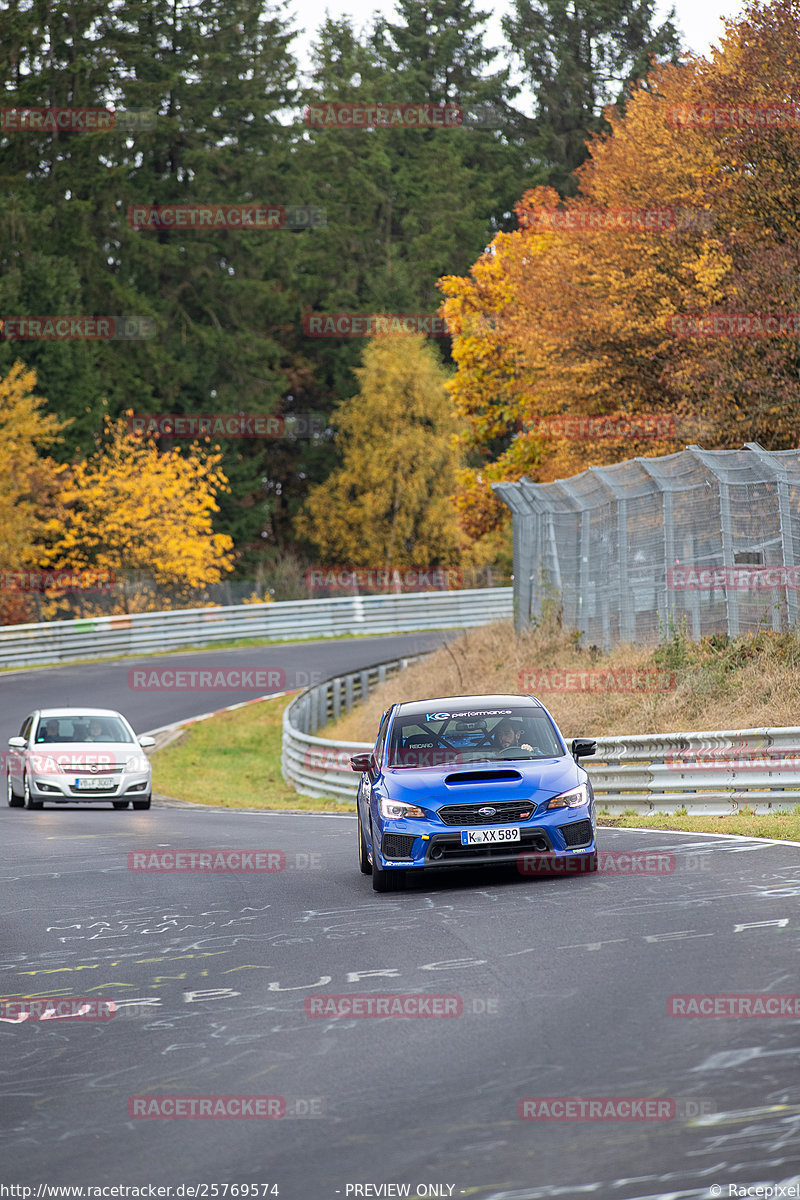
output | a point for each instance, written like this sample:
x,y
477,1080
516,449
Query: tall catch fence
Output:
x,y
708,540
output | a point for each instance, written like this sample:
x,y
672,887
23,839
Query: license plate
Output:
x,y
94,781
476,837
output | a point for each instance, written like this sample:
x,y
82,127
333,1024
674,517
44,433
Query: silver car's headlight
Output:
x,y
574,798
137,762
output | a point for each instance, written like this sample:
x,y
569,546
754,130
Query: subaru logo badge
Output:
x,y
487,812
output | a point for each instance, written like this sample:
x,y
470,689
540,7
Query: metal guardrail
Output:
x,y
313,765
709,773
142,633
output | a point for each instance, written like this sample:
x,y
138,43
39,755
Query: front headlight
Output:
x,y
574,798
392,810
137,762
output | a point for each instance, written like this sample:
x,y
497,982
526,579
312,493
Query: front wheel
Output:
x,y
120,803
591,862
142,803
364,865
28,799
14,801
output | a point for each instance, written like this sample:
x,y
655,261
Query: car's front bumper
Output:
x,y
420,845
64,789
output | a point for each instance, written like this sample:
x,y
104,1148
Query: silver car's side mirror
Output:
x,y
18,743
146,740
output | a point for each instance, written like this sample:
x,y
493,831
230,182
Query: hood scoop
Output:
x,y
490,776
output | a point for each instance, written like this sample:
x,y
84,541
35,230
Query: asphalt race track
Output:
x,y
561,986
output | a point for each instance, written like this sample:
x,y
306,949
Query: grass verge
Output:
x,y
783,826
234,761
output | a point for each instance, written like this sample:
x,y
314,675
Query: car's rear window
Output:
x,y
75,728
441,738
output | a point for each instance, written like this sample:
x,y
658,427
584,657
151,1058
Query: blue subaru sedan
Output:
x,y
471,781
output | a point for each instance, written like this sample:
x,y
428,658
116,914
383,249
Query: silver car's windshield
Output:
x,y
440,738
64,730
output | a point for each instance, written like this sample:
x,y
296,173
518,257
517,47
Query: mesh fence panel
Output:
x,y
707,540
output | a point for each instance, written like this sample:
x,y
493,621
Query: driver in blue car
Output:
x,y
507,734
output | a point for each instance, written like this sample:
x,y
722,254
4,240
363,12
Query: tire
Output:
x,y
28,799
141,803
14,801
364,865
120,803
386,881
591,862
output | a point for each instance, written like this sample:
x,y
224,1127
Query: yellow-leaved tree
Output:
x,y
25,478
134,509
387,505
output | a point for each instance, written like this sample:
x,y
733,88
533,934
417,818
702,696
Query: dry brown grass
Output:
x,y
719,684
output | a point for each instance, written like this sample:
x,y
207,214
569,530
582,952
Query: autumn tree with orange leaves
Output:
x,y
132,509
574,314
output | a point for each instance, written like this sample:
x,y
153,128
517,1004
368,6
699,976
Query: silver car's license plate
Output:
x,y
95,781
476,837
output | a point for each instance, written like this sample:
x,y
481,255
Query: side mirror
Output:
x,y
362,762
146,740
18,743
583,747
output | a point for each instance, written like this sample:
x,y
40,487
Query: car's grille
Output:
x,y
505,811
579,833
100,769
447,848
397,845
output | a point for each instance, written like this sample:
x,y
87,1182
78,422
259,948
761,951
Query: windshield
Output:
x,y
81,729
439,738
